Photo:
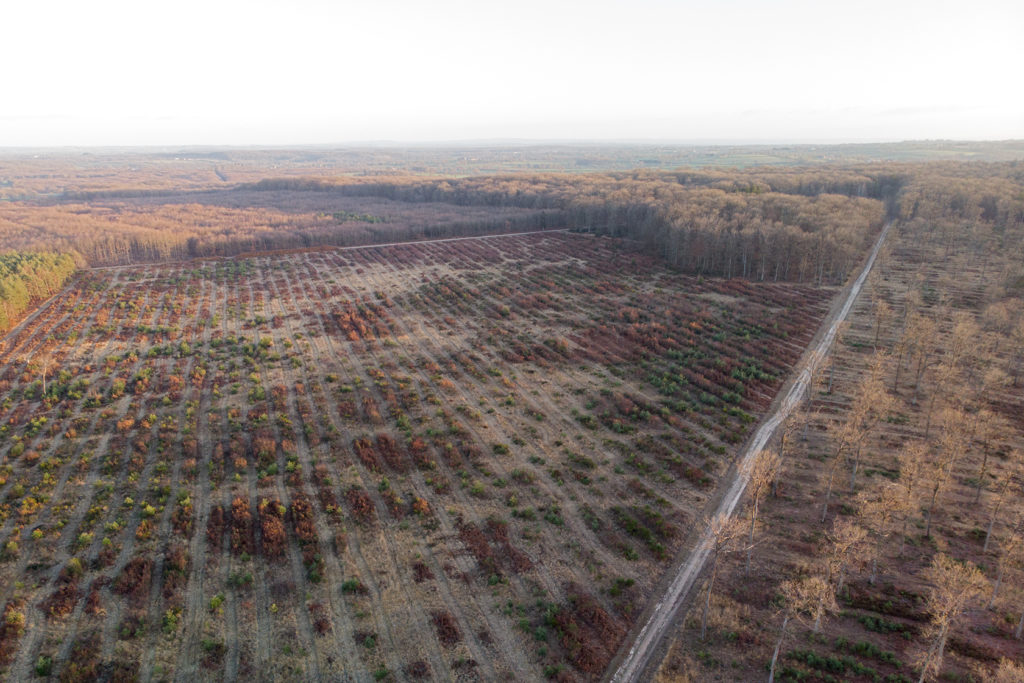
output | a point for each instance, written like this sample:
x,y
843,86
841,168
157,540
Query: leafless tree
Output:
x,y
1007,485
986,427
939,467
761,471
881,511
842,435
1010,551
1017,339
955,586
922,333
831,360
883,312
962,343
722,533
870,403
844,538
1008,671
943,376
799,598
912,461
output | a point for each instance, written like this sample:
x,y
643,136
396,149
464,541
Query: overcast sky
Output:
x,y
146,72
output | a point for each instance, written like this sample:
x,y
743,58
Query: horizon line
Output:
x,y
511,142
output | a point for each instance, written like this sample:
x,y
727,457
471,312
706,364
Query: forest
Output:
x,y
27,278
886,519
797,224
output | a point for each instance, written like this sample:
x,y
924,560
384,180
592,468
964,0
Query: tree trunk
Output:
x,y
828,495
931,508
750,543
707,601
931,404
782,636
988,534
995,588
940,642
856,466
899,364
981,476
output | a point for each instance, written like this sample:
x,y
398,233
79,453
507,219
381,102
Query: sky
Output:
x,y
291,72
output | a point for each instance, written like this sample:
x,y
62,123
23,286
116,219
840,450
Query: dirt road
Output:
x,y
636,658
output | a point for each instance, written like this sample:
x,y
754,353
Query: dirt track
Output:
x,y
637,654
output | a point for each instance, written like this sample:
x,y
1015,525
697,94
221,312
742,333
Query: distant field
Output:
x,y
26,174
469,460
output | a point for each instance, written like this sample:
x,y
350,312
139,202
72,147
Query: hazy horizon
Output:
x,y
480,143
262,74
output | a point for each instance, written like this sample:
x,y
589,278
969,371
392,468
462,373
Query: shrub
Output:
x,y
44,665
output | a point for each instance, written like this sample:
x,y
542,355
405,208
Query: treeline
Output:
x,y
993,193
28,278
802,224
218,224
779,225
147,247
806,224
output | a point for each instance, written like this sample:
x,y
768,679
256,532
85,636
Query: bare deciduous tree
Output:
x,y
1006,482
799,598
939,467
986,427
1017,339
722,534
922,334
841,328
844,538
842,433
962,343
794,424
1008,671
943,376
883,312
761,471
913,471
912,303
881,510
955,586
899,352
870,403
1010,551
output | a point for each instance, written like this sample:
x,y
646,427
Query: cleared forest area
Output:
x,y
301,465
